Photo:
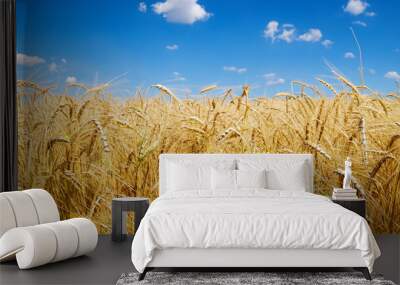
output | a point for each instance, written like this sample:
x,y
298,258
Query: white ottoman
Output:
x,y
33,243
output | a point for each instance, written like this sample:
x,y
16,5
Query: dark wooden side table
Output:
x,y
355,205
120,206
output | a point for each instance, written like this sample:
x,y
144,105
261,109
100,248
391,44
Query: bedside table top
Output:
x,y
130,199
349,200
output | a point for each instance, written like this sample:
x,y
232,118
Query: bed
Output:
x,y
253,210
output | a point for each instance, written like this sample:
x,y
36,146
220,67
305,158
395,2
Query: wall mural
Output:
x,y
105,87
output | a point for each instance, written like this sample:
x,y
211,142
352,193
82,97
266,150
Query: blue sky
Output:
x,y
189,44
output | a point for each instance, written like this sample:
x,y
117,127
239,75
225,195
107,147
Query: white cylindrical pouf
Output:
x,y
46,207
31,232
87,234
23,208
34,246
7,218
37,245
67,239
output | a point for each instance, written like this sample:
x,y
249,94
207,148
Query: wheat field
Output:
x,y
86,149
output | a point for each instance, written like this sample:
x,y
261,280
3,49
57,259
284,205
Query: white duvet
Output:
x,y
253,218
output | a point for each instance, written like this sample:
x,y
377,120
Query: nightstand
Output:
x,y
120,206
355,205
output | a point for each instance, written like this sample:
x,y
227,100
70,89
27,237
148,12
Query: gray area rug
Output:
x,y
228,278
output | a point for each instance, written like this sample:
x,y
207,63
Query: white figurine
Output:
x,y
347,174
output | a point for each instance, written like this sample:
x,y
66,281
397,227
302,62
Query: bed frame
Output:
x,y
246,259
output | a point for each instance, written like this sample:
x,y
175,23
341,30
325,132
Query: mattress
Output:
x,y
250,219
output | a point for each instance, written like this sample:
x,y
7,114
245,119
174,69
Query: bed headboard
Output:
x,y
207,158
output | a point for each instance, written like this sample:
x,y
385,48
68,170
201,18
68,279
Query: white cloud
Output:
x,y
313,35
178,77
287,35
235,69
63,60
24,59
70,80
183,90
360,23
269,75
356,7
172,47
277,81
181,11
271,30
392,75
370,14
142,7
349,55
327,43
288,26
53,67
272,79
371,71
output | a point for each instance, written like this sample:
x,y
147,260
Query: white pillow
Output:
x,y
251,178
293,179
290,175
223,179
188,177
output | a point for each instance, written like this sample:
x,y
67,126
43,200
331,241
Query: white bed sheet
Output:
x,y
251,218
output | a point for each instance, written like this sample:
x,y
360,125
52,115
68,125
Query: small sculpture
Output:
x,y
347,174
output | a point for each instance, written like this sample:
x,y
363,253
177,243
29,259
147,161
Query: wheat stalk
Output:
x,y
208,89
